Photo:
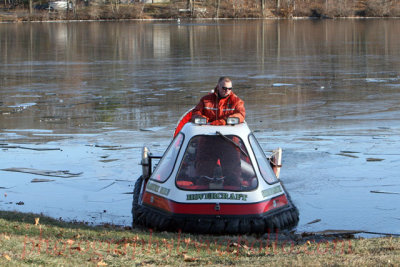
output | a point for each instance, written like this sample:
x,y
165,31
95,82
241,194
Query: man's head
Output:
x,y
224,87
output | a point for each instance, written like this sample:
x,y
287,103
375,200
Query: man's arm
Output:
x,y
198,110
240,111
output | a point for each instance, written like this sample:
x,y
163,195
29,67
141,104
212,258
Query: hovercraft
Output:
x,y
213,180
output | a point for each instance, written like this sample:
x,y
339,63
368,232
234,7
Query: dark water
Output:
x,y
327,92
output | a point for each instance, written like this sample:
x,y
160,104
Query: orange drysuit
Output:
x,y
217,110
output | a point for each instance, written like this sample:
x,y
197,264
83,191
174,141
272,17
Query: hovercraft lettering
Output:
x,y
231,196
271,191
157,189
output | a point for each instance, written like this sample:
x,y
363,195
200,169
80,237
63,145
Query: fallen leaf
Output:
x,y
101,263
7,257
117,251
7,237
37,221
234,244
95,259
188,258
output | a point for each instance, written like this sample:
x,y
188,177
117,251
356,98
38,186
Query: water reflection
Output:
x,y
139,74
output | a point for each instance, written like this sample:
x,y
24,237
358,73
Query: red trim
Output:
x,y
209,208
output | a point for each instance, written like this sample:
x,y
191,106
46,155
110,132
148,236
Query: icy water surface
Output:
x,y
79,100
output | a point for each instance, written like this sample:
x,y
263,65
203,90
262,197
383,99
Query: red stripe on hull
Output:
x,y
209,208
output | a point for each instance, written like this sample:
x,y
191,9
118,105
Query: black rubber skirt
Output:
x,y
286,217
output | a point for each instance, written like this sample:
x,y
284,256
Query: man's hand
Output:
x,y
219,122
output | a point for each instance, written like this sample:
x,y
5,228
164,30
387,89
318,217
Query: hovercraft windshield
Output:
x,y
216,162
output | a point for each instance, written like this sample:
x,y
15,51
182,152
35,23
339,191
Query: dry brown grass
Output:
x,y
29,239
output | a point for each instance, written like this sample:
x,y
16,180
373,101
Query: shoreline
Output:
x,y
191,19
284,234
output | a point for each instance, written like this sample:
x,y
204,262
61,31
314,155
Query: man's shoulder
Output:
x,y
235,98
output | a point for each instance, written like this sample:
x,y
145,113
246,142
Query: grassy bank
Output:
x,y
28,239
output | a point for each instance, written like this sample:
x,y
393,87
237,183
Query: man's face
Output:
x,y
225,89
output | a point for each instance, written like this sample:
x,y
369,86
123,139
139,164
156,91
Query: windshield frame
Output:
x,y
164,156
264,158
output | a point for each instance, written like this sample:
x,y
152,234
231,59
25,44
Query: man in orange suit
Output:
x,y
217,106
